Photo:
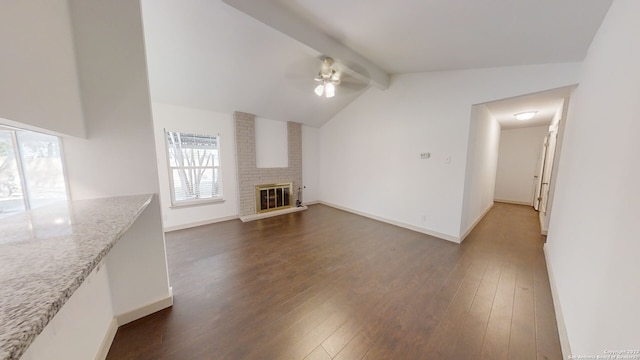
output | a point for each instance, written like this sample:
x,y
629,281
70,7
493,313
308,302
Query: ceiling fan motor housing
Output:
x,y
327,73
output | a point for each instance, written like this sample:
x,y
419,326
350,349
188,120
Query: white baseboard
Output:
x,y
128,317
513,202
108,340
144,310
199,223
311,202
396,223
476,222
542,218
562,329
269,214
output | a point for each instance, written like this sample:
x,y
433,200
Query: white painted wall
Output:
x,y
117,157
310,164
517,160
370,159
39,85
177,118
137,274
482,161
592,248
272,149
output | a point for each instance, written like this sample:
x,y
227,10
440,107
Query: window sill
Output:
x,y
196,203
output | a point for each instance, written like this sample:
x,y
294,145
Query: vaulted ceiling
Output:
x,y
210,55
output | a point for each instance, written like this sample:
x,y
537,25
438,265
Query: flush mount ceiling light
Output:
x,y
527,115
328,78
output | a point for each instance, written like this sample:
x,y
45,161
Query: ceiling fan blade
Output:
x,y
302,73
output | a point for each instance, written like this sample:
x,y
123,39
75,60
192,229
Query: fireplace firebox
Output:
x,y
271,197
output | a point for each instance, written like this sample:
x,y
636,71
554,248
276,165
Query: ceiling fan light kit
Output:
x,y
328,78
329,90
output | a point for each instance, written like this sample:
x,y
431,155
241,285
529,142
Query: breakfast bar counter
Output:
x,y
47,253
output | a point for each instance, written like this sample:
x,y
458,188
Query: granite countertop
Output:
x,y
46,254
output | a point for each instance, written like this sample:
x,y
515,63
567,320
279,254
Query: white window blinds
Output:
x,y
194,167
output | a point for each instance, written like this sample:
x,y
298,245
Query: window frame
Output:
x,y
172,188
26,188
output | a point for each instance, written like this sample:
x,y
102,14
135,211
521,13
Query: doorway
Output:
x,y
527,159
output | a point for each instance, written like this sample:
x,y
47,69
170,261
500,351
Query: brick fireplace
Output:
x,y
250,176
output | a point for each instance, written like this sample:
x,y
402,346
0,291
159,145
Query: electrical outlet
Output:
x,y
447,160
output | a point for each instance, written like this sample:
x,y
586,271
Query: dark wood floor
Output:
x,y
323,284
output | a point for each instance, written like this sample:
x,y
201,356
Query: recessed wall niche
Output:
x,y
271,143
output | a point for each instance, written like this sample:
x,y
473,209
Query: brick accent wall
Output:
x,y
249,175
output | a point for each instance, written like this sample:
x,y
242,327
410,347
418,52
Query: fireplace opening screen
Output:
x,y
271,197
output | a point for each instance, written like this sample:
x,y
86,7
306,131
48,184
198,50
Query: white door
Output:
x,y
539,172
546,173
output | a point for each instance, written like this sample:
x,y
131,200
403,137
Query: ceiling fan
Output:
x,y
332,78
328,78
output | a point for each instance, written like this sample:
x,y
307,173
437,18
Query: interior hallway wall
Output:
x,y
482,161
592,248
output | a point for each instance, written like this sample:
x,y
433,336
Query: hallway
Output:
x,y
327,284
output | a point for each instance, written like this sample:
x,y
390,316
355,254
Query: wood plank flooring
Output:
x,y
327,284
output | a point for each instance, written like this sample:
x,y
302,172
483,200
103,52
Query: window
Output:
x,y
194,168
31,173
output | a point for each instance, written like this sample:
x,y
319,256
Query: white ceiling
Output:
x,y
206,54
404,36
546,103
